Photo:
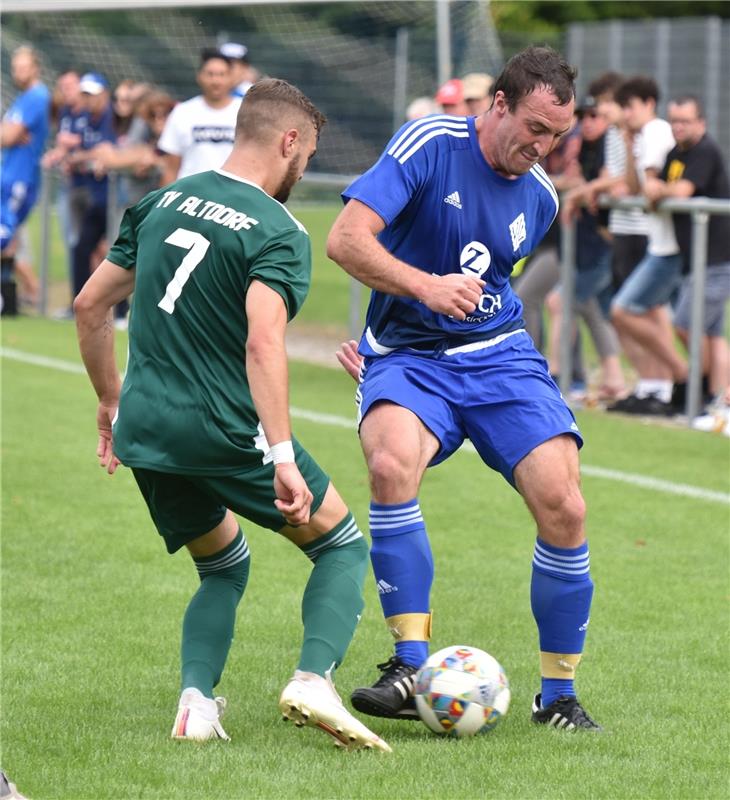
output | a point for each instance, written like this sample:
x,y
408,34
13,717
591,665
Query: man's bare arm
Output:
x,y
352,243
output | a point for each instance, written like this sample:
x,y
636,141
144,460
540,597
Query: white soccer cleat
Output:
x,y
312,700
198,717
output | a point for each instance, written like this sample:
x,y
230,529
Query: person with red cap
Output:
x,y
451,98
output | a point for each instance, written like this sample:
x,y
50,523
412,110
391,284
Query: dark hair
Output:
x,y
690,98
605,83
267,102
535,67
209,53
641,86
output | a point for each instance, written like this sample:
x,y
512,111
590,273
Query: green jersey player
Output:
x,y
218,267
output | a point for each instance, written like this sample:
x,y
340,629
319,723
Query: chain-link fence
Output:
x,y
361,63
684,56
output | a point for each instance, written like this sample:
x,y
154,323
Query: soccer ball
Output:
x,y
461,691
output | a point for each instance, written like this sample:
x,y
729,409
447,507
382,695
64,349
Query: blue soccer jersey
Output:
x,y
94,130
446,210
20,163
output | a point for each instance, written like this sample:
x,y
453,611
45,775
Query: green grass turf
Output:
x,y
91,609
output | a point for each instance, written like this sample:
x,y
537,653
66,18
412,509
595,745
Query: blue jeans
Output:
x,y
652,283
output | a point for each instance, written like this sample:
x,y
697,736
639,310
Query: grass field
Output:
x,y
91,608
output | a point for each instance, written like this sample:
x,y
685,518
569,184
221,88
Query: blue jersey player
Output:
x,y
24,133
435,228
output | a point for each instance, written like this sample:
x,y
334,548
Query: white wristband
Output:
x,y
282,452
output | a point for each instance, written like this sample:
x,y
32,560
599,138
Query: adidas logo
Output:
x,y
385,588
453,199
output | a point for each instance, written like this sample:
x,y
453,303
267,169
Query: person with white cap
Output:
x,y
243,74
89,186
199,133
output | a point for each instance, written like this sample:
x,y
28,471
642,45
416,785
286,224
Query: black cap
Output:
x,y
587,104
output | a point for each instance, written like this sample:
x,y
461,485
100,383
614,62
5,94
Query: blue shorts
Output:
x,y
16,201
499,394
653,283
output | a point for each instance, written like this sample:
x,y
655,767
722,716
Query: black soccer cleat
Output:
x,y
391,695
565,713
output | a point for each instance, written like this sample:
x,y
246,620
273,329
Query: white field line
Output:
x,y
633,479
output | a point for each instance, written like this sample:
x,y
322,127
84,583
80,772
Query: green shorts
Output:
x,y
184,507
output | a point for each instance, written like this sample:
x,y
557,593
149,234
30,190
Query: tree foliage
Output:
x,y
551,15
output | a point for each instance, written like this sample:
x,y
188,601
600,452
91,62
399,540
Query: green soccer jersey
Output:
x,y
197,245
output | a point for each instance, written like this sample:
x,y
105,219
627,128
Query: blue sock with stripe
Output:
x,y
560,595
403,566
211,615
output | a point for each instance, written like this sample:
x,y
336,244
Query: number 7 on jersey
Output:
x,y
197,245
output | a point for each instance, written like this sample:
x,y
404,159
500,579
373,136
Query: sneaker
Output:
x,y
679,396
8,790
312,700
198,717
392,694
713,421
565,712
649,405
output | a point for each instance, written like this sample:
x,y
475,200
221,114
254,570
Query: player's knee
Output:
x,y
391,475
561,517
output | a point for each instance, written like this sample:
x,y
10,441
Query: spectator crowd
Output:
x,y
633,289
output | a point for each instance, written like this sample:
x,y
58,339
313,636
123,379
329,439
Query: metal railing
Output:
x,y
700,209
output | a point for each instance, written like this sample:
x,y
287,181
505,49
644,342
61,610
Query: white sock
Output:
x,y
661,389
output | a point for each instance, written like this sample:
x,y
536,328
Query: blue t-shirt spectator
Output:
x,y
20,162
95,130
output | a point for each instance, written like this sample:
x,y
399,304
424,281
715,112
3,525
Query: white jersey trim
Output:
x,y
424,132
425,122
256,186
473,346
542,177
438,132
380,349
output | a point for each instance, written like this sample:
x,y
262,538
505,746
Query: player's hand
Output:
x,y
105,449
294,500
455,295
350,359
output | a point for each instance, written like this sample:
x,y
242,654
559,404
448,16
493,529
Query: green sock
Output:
x,y
211,615
332,600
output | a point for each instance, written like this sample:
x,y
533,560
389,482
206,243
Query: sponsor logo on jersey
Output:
x,y
475,259
453,199
385,588
215,134
518,231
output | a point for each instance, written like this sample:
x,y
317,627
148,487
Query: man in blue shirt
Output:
x,y
23,135
72,119
90,185
435,228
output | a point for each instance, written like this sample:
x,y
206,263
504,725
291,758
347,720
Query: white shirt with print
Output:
x,y
202,136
